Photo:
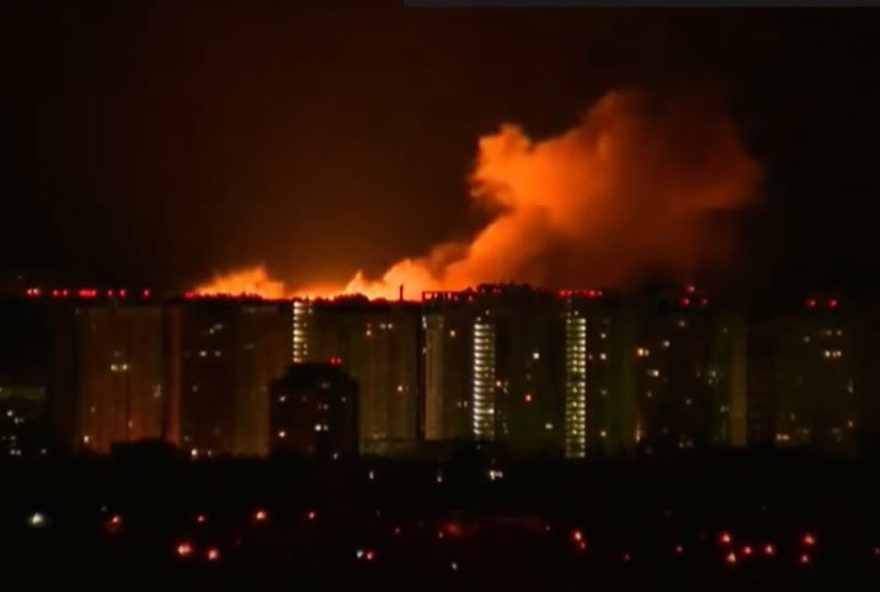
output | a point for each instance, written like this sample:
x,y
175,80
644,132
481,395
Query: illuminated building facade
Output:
x,y
575,383
818,400
691,373
314,412
448,325
379,345
302,313
600,337
229,352
119,374
519,378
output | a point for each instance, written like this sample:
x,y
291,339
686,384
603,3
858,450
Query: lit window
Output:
x,y
536,355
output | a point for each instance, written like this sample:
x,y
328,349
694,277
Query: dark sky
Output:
x,y
156,142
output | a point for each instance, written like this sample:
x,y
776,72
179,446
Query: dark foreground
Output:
x,y
148,522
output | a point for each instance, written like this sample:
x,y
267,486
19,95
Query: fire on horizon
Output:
x,y
638,186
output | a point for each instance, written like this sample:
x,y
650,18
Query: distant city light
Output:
x,y
37,520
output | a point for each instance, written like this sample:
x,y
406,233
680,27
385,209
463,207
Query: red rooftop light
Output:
x,y
832,303
184,549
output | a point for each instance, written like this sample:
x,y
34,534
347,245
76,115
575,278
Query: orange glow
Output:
x,y
453,529
635,186
251,281
809,540
261,515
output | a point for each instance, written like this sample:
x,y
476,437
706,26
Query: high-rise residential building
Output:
x,y
817,402
118,374
449,346
691,373
518,368
229,350
314,412
23,421
379,345
600,387
25,376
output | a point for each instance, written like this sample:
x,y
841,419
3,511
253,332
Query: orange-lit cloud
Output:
x,y
637,187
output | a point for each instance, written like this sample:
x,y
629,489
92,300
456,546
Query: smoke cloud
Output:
x,y
636,188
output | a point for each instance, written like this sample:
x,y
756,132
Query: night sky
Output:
x,y
158,142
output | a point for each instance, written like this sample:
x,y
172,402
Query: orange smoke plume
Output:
x,y
637,187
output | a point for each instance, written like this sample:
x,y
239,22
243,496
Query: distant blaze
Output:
x,y
642,185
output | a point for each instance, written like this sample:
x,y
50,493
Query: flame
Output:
x,y
246,281
635,187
